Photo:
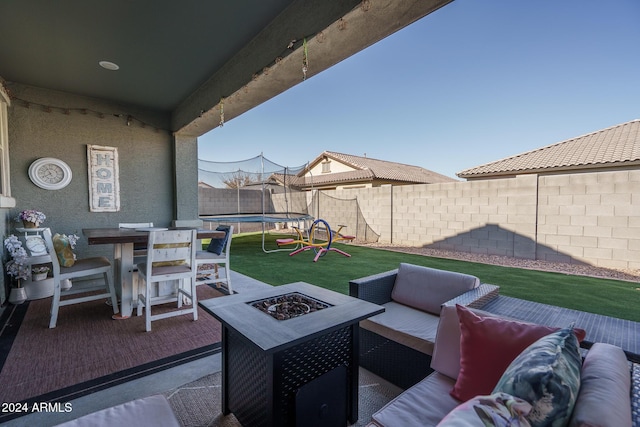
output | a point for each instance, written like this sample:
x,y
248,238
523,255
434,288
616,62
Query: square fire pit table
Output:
x,y
272,368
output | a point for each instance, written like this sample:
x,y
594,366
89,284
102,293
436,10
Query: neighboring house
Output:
x,y
613,148
202,184
331,170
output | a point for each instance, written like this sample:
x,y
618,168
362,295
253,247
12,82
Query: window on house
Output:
x,y
326,166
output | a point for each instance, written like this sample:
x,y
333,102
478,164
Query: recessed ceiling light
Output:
x,y
109,65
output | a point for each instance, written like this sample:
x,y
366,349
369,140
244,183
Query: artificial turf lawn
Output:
x,y
608,297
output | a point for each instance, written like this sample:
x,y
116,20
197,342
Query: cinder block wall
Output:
x,y
376,206
225,201
591,218
490,217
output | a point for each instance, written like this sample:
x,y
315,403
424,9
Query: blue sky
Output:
x,y
473,82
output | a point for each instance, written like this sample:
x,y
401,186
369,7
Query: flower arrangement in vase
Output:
x,y
39,272
17,268
73,239
31,218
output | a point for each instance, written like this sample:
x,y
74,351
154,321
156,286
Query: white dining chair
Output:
x,y
206,258
189,223
139,252
81,268
171,257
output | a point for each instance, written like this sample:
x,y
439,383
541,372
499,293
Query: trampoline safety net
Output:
x,y
345,212
253,191
257,193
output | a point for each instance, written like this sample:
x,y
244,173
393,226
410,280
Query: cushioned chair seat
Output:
x,y
407,326
204,255
167,269
424,404
85,264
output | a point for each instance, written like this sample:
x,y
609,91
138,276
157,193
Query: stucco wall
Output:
x,y
589,218
146,161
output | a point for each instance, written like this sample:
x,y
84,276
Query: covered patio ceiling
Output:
x,y
183,57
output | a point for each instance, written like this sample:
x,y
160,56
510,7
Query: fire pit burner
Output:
x,y
288,306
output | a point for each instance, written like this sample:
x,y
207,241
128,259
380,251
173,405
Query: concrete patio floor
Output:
x,y
149,385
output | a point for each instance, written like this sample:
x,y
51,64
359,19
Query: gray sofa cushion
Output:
x,y
405,325
603,399
424,404
148,411
446,352
427,288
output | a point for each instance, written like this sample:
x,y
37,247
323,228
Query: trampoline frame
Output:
x,y
264,219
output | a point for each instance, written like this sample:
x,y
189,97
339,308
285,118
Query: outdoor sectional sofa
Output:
x,y
404,335
608,393
151,411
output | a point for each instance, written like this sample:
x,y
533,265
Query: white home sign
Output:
x,y
104,182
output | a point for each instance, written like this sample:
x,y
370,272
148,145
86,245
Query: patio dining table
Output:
x,y
123,241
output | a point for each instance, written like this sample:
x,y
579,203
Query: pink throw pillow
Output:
x,y
487,346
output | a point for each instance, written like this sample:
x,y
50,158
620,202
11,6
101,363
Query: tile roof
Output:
x,y
614,146
367,168
282,179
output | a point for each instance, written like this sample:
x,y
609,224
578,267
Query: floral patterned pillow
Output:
x,y
64,250
499,409
547,375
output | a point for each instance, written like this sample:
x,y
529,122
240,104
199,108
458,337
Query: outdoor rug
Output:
x,y
199,403
88,351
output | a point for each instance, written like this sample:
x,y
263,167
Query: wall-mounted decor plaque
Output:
x,y
104,181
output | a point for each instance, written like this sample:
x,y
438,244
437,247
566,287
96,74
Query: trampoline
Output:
x,y
259,191
300,218
255,190
266,218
